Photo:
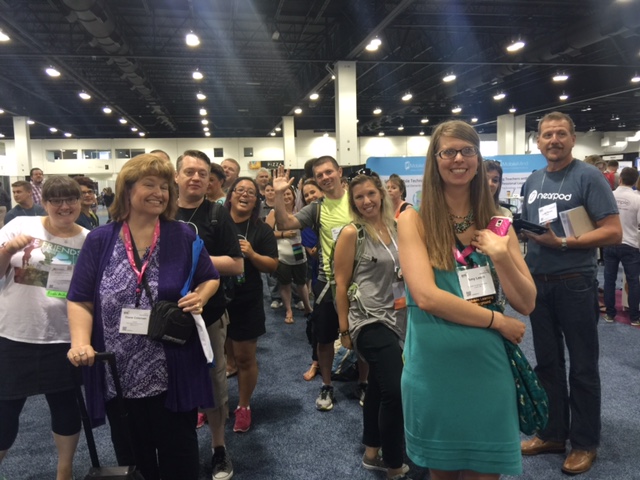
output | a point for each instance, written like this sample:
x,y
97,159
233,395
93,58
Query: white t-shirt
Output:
x,y
33,307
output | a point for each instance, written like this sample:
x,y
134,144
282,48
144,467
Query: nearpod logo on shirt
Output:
x,y
548,196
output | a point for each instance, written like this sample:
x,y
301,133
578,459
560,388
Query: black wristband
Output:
x,y
493,314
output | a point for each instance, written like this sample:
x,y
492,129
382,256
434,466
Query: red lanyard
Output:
x,y
128,245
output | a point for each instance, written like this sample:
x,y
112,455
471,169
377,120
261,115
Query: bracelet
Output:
x,y
343,334
493,314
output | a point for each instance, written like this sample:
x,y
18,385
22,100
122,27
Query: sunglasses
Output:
x,y
363,171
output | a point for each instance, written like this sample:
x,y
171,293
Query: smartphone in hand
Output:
x,y
499,225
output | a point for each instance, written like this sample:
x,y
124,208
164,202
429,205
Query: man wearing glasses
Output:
x,y
87,219
21,191
333,215
218,232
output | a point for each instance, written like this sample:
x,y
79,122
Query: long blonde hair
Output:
x,y
386,209
434,210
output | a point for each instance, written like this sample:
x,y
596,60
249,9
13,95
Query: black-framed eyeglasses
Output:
x,y
362,171
451,153
89,192
57,202
243,191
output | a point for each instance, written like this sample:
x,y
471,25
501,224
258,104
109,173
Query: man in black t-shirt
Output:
x,y
219,235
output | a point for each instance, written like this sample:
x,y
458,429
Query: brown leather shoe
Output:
x,y
579,461
536,446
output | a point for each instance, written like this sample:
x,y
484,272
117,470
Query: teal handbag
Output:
x,y
533,404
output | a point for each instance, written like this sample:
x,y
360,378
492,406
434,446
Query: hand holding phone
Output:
x,y
499,225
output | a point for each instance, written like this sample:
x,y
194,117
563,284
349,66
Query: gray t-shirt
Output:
x,y
373,303
579,184
18,211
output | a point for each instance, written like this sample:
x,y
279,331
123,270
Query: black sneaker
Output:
x,y
221,464
325,400
361,392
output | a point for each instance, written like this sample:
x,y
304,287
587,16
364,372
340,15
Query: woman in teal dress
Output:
x,y
458,392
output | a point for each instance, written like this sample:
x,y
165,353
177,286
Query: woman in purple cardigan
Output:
x,y
163,384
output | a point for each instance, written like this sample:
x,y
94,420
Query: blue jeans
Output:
x,y
567,312
630,259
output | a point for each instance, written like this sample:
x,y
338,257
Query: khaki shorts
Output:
x,y
217,336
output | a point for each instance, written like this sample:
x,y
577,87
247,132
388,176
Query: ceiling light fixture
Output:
x,y
273,134
512,109
560,77
635,78
197,75
134,129
192,39
381,134
499,96
314,96
203,112
30,122
201,96
84,95
205,122
67,134
278,129
107,110
377,111
421,133
325,134
4,37
1,135
52,72
205,129
456,109
142,134
515,46
424,120
406,97
123,121
207,134
586,109
53,129
373,45
449,77
563,96
1,111
474,120
297,111
401,128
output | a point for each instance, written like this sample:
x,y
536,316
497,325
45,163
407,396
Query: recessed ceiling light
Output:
x,y
421,132
278,129
586,109
201,96
203,112
53,129
142,134
424,120
401,128
52,72
192,39
30,122
298,110
1,111
84,95
197,75
4,37
333,77
123,121
499,96
134,129
456,109
314,96
205,129
512,109
377,111
273,134
1,135
67,134
406,97
449,77
373,45
381,134
635,78
205,122
563,96
560,77
474,120
107,110
515,46
207,134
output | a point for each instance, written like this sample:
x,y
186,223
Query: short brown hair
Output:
x,y
218,171
559,116
85,182
138,167
60,186
322,160
24,184
192,153
628,176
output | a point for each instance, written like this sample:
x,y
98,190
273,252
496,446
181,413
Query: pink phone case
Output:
x,y
499,225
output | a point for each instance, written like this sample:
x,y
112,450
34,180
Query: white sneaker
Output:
x,y
300,305
276,304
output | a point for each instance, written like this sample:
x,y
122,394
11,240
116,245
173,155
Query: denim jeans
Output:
x,y
567,312
630,259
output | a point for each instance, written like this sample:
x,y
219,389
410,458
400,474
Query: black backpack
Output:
x,y
227,284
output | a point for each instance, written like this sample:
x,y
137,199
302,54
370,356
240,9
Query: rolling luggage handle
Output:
x,y
97,472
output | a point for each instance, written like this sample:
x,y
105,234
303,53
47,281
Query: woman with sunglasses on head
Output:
x,y
493,172
36,254
124,268
371,311
458,392
246,310
397,191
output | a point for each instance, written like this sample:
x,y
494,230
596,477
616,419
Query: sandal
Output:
x,y
311,373
232,373
289,319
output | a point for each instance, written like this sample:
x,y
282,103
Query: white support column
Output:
x,y
520,139
22,145
512,134
289,142
346,114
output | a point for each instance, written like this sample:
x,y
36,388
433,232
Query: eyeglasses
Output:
x,y
57,202
89,192
363,171
451,153
243,191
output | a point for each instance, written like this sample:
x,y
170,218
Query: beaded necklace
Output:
x,y
463,226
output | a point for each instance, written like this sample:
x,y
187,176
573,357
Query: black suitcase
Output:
x,y
96,472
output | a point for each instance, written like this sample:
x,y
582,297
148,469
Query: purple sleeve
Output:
x,y
84,281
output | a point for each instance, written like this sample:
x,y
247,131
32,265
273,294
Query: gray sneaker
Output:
x,y
221,464
379,465
325,400
609,319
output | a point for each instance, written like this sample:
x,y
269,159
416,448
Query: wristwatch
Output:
x,y
563,246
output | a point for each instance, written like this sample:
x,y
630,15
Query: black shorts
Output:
x,y
246,318
325,316
285,273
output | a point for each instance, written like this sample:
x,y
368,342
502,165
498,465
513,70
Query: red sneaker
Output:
x,y
243,419
202,419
